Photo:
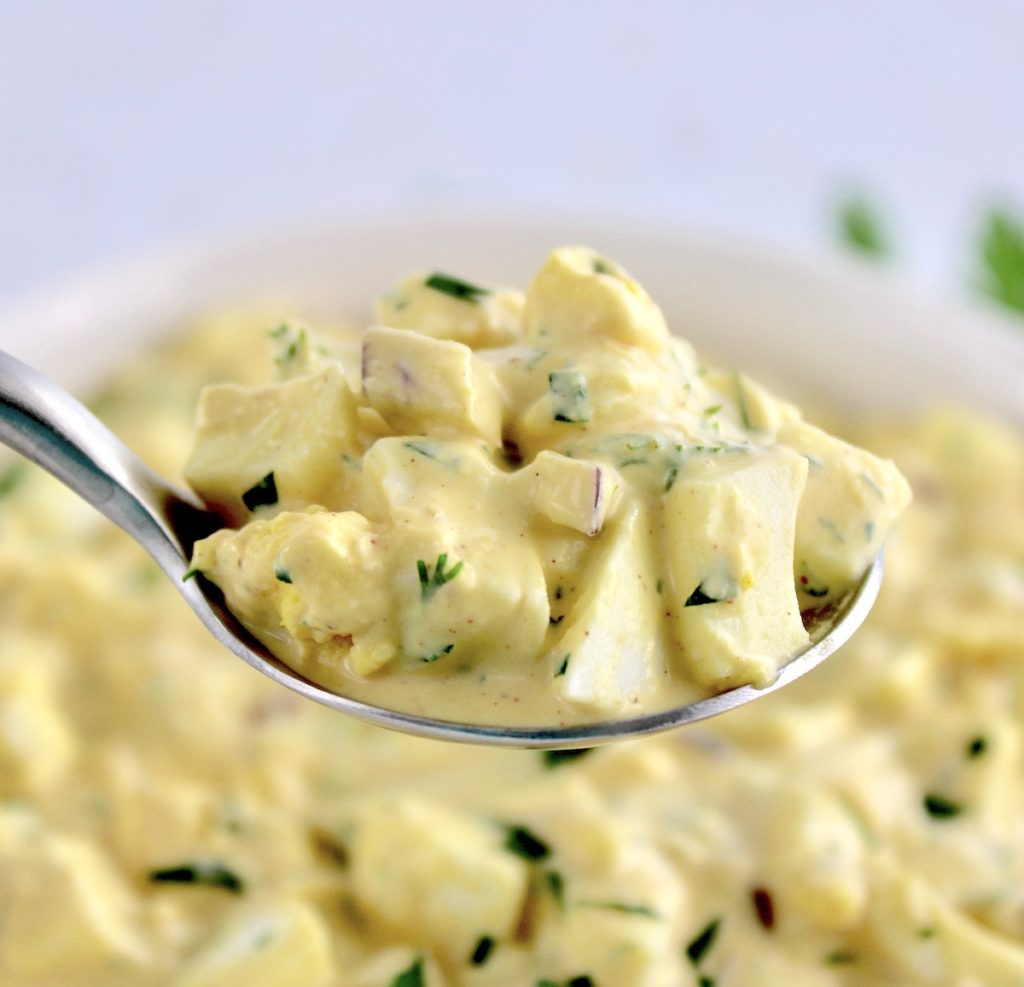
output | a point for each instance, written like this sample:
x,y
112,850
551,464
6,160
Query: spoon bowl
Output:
x,y
46,425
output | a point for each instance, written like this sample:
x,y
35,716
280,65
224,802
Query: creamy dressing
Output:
x,y
170,818
528,509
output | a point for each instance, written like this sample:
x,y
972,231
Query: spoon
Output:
x,y
46,425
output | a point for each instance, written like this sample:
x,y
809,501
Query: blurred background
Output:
x,y
893,127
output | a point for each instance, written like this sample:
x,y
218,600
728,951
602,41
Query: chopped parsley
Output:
x,y
281,574
262,494
431,583
411,977
569,396
1002,258
698,947
940,807
764,907
455,288
670,477
861,228
440,653
11,477
977,746
554,758
601,266
204,875
564,667
482,951
520,841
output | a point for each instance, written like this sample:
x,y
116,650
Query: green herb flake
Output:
x,y
600,266
705,981
670,477
699,946
553,758
977,746
584,980
564,667
1002,259
940,807
189,575
569,396
699,598
622,907
446,650
556,885
281,574
520,841
741,401
926,933
713,410
12,477
861,228
261,494
841,957
455,288
430,584
203,875
482,951
546,982
421,448
411,977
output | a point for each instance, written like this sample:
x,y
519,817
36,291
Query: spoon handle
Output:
x,y
48,426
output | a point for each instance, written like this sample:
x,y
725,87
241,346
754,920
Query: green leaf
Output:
x,y
455,288
430,584
1002,258
261,494
861,227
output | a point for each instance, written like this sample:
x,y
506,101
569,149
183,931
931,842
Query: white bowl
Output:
x,y
837,329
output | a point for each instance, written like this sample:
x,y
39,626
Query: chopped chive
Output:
x,y
581,981
841,957
556,885
600,266
564,667
482,951
205,875
281,574
977,747
670,478
446,650
520,841
703,941
411,977
190,574
622,907
741,400
569,396
422,449
261,494
553,758
940,807
455,288
430,584
699,598
713,410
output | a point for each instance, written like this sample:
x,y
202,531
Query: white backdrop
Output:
x,y
127,125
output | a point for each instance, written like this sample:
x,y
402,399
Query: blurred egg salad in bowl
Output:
x,y
168,817
529,509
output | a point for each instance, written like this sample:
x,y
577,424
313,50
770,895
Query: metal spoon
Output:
x,y
46,425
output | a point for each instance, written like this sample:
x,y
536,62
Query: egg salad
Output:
x,y
527,509
171,818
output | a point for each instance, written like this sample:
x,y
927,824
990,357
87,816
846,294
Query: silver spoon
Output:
x,y
46,425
